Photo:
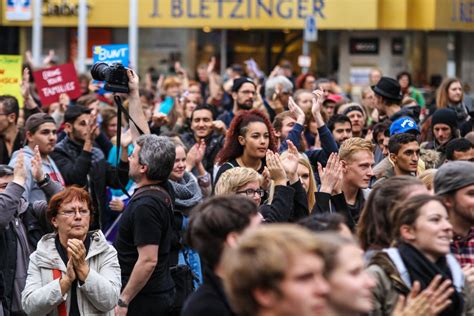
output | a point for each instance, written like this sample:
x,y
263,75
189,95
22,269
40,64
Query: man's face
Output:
x,y
244,96
5,119
78,130
442,133
45,137
326,87
201,124
4,181
463,203
304,289
357,120
287,124
382,142
341,132
407,157
358,170
135,171
329,107
464,155
305,101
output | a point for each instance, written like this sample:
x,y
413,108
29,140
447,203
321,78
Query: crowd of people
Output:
x,y
241,194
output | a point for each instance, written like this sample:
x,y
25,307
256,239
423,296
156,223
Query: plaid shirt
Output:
x,y
463,248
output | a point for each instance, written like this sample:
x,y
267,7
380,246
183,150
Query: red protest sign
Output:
x,y
51,82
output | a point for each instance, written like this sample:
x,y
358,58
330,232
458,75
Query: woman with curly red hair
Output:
x,y
249,137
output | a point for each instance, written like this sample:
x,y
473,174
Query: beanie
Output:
x,y
444,116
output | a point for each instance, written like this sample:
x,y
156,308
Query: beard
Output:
x,y
245,106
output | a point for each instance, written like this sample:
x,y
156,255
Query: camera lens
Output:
x,y
99,71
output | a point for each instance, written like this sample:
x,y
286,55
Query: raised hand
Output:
x,y
64,101
291,161
439,291
19,171
219,127
275,168
159,119
415,304
116,205
133,82
25,84
318,98
296,111
66,281
37,166
331,174
126,139
211,65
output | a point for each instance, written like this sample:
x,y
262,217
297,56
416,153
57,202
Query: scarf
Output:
x,y
423,270
187,192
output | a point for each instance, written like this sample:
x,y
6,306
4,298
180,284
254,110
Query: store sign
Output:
x,y
463,11
364,46
18,10
10,76
63,8
52,82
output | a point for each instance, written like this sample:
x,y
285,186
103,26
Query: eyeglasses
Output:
x,y
251,192
71,213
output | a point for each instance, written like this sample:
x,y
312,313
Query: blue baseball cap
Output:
x,y
403,125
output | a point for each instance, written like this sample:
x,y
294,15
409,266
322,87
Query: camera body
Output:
x,y
114,75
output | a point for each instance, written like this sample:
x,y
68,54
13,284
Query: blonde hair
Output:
x,y
427,177
303,160
234,178
171,81
353,145
261,260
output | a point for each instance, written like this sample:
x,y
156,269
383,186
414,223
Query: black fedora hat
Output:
x,y
388,88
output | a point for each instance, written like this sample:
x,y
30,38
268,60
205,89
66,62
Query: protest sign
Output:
x,y
10,76
116,53
51,82
110,54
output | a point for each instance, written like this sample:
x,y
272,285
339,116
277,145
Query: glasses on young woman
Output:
x,y
251,192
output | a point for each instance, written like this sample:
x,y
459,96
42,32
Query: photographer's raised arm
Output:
x,y
135,106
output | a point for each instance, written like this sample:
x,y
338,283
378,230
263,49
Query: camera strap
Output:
x,y
121,109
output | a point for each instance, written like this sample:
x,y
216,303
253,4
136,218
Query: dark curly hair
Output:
x,y
238,127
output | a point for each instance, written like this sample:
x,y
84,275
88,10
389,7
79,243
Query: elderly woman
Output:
x,y
72,272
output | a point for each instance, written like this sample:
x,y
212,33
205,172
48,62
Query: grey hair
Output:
x,y
158,153
271,84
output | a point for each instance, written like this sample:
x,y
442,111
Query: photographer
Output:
x,y
83,164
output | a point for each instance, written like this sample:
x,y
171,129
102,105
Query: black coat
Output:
x,y
209,299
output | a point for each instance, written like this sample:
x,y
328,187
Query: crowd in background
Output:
x,y
277,195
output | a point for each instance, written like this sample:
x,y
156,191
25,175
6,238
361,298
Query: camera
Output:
x,y
114,75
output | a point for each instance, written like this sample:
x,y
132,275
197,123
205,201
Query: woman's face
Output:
x,y
246,189
304,174
256,140
179,164
455,92
310,83
403,81
112,127
172,91
190,103
351,285
432,231
73,220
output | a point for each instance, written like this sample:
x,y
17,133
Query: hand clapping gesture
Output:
x,y
275,168
318,99
291,161
331,176
19,172
296,111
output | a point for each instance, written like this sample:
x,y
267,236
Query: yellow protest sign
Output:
x,y
10,76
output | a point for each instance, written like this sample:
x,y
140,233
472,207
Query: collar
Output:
x,y
469,236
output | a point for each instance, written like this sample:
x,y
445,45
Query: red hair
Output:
x,y
238,127
301,80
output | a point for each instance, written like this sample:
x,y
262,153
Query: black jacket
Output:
x,y
209,299
77,167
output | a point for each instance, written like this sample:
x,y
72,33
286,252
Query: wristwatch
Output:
x,y
44,181
121,303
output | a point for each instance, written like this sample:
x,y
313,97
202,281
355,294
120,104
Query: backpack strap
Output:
x,y
61,307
